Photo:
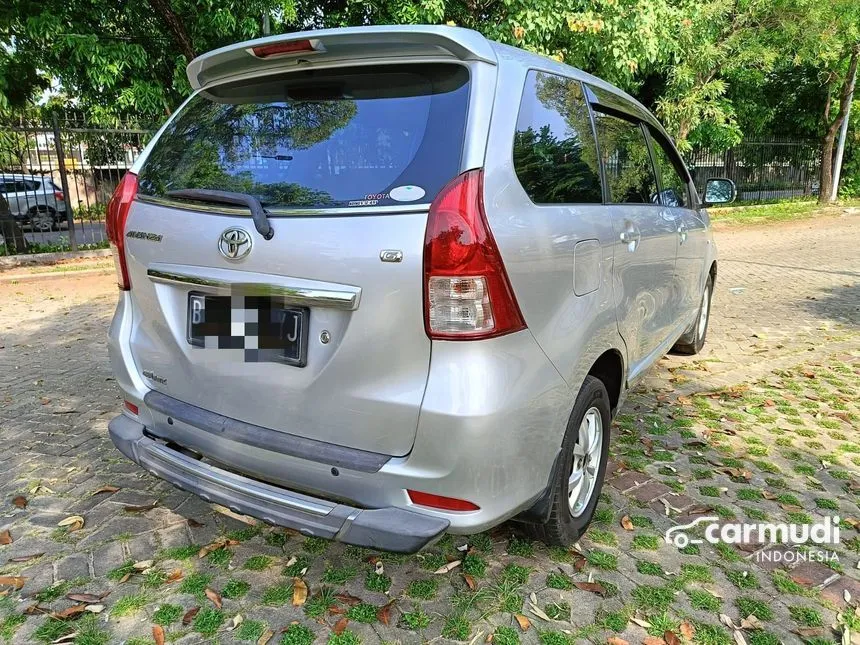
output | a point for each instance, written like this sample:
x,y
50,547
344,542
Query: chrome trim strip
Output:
x,y
223,209
304,297
242,485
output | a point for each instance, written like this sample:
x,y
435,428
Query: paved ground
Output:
x,y
763,425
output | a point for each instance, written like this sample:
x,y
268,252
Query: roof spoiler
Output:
x,y
287,51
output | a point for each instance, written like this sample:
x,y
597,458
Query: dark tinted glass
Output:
x,y
319,138
626,162
554,154
673,185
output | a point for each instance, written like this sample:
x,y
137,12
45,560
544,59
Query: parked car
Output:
x,y
34,200
382,283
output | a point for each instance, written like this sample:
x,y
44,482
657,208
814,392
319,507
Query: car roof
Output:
x,y
8,175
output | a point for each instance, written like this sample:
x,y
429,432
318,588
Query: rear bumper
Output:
x,y
390,528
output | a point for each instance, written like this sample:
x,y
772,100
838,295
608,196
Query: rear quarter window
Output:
x,y
365,136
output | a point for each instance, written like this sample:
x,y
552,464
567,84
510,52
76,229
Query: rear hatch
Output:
x,y
346,162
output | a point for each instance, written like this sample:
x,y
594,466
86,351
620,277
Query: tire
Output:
x,y
42,219
568,520
693,339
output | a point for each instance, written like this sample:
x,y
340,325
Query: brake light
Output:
x,y
467,294
117,214
59,196
279,49
441,502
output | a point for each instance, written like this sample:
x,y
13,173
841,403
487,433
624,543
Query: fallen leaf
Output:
x,y
95,608
593,587
73,523
158,634
447,568
35,609
340,626
84,597
125,578
143,565
671,638
266,637
214,596
768,495
20,501
383,615
107,489
12,581
727,621
523,622
70,612
348,599
194,524
627,523
246,519
174,575
140,509
26,558
189,615
5,537
68,638
380,568
739,637
699,510
687,631
653,640
640,622
810,632
537,611
214,546
470,581
300,592
750,622
238,619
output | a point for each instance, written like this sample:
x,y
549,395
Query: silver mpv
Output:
x,y
382,283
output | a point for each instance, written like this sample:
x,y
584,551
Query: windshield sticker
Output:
x,y
406,193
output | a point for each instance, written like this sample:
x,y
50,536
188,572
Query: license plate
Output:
x,y
266,329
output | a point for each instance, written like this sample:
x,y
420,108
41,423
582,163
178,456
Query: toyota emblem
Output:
x,y
234,243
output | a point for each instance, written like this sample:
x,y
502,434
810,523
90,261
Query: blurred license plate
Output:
x,y
263,327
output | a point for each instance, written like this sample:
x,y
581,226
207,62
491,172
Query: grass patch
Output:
x,y
295,569
195,584
650,597
521,547
121,571
417,619
806,616
208,620
645,542
457,627
474,565
558,580
251,630
742,579
278,595
235,589
315,545
220,557
376,582
298,635
257,563
506,636
602,560
703,600
515,573
602,536
10,625
339,575
752,607
318,604
362,613
178,552
167,614
423,589
129,604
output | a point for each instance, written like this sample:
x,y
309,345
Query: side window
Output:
x,y
626,162
554,153
672,182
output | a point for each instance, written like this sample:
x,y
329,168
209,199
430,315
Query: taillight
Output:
x,y
280,49
441,502
467,294
59,196
117,214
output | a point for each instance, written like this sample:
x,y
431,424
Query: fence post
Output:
x,y
64,182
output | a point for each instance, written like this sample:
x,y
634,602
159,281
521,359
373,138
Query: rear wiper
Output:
x,y
258,213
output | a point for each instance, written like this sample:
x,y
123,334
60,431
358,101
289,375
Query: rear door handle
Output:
x,y
631,236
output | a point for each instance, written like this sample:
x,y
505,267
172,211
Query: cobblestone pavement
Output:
x,y
764,425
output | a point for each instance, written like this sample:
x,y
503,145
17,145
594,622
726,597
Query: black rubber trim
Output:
x,y
389,528
266,438
540,510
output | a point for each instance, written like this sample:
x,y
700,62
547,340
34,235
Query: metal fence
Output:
x,y
57,177
763,169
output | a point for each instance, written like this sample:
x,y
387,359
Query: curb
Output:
x,y
34,277
38,259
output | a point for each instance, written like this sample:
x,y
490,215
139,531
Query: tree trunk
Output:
x,y
174,24
11,232
828,141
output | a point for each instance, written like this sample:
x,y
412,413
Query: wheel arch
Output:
x,y
609,369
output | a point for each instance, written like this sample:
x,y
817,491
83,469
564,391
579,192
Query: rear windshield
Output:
x,y
319,138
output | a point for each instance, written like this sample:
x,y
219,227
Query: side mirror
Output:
x,y
720,191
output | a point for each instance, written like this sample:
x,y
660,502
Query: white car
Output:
x,y
34,200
